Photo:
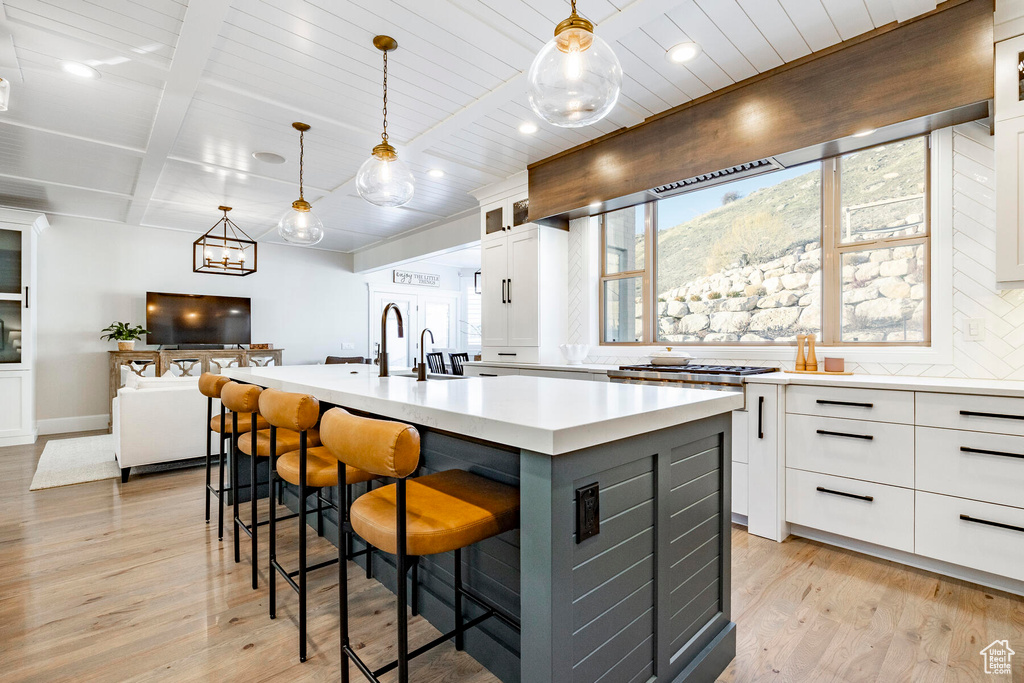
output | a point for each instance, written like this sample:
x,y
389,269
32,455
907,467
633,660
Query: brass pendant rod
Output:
x,y
384,135
302,153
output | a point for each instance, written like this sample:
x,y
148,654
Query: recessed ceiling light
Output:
x,y
527,127
268,157
864,133
683,52
79,69
435,173
595,205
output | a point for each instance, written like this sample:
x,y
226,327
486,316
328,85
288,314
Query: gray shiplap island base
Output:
x,y
647,598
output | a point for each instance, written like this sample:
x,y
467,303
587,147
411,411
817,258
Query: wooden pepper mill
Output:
x,y
812,359
801,364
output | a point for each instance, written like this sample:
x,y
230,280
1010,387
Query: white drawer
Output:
x,y
486,371
875,513
874,451
510,354
972,413
987,467
739,488
555,374
857,404
944,534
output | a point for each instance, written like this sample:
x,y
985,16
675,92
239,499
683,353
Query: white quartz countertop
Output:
x,y
945,385
550,416
593,368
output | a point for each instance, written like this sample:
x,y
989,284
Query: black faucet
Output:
x,y
421,371
384,335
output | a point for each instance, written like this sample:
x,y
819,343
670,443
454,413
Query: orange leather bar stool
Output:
x,y
309,467
210,386
437,513
243,401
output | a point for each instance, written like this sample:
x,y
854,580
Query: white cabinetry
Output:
x,y
18,234
766,437
916,476
524,285
1009,148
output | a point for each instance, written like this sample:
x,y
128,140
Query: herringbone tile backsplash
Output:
x,y
999,356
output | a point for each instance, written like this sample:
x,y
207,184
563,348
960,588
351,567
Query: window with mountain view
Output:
x,y
836,248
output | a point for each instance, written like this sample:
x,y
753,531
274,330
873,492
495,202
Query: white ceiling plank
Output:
x,y
776,26
850,17
730,18
813,22
881,12
692,20
644,61
908,9
199,31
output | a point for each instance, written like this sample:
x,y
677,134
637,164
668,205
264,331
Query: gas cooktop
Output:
x,y
694,369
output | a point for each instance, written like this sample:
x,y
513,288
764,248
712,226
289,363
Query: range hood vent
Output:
x,y
699,182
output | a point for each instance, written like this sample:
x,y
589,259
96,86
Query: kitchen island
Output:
x,y
645,596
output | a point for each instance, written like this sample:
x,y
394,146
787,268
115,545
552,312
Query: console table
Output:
x,y
191,362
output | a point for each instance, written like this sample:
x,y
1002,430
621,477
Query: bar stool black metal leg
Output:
x,y
302,548
319,513
403,619
272,601
209,452
220,477
459,637
253,498
344,551
234,485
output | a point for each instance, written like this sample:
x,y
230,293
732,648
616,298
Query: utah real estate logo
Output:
x,y
997,657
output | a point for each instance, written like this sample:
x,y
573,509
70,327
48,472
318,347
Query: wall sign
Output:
x,y
407,277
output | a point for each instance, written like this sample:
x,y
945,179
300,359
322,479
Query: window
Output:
x,y
836,248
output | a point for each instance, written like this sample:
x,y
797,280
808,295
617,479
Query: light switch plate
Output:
x,y
974,329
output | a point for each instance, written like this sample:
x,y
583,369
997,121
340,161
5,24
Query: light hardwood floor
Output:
x,y
111,582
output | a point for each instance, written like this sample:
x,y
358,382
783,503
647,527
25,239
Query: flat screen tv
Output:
x,y
197,319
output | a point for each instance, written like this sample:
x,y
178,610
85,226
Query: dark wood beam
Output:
x,y
933,64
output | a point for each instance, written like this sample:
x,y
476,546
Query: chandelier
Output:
x,y
225,249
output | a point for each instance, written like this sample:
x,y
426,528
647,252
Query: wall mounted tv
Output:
x,y
197,319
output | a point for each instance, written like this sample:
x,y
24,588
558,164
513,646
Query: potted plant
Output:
x,y
124,334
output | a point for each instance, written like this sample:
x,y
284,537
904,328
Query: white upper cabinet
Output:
x,y
1009,147
524,285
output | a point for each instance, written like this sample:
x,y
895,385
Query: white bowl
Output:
x,y
670,360
574,353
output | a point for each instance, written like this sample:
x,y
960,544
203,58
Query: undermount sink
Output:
x,y
430,376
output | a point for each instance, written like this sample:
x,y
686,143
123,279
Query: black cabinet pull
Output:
x,y
852,404
510,290
845,495
971,413
760,417
505,354
968,518
484,374
26,298
865,437
503,292
982,451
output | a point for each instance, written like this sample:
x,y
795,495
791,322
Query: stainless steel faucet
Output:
x,y
384,335
421,371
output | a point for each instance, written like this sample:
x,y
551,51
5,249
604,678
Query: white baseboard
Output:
x,y
938,566
81,423
20,440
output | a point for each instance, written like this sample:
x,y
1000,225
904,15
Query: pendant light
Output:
x,y
231,252
575,79
300,225
384,179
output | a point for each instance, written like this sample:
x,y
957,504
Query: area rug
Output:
x,y
88,458
74,461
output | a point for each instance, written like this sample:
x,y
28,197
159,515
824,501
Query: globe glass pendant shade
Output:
x,y
575,79
301,226
385,180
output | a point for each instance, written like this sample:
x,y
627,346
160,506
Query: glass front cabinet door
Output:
x,y
14,301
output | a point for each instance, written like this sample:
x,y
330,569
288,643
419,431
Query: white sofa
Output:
x,y
160,419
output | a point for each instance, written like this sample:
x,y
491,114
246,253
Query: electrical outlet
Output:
x,y
974,329
348,346
588,512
